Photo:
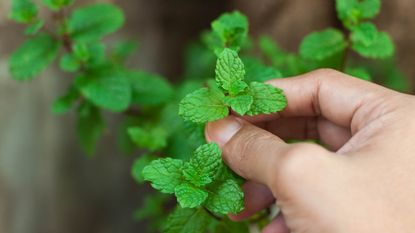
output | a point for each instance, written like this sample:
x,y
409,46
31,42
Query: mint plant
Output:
x,y
231,91
164,122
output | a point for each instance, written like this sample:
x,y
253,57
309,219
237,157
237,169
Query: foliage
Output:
x,y
222,76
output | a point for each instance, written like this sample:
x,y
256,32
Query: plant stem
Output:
x,y
345,55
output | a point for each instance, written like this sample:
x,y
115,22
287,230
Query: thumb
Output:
x,y
261,156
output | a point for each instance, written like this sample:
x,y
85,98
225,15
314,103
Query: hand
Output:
x,y
364,181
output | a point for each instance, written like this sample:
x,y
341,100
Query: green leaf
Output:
x,y
365,33
69,63
90,128
229,69
91,23
23,11
359,72
289,64
267,99
153,138
231,29
189,196
187,221
64,103
203,165
237,87
352,12
199,62
149,89
33,57
57,4
34,28
228,226
228,198
106,88
202,106
164,174
240,104
258,72
152,207
347,11
91,56
138,166
318,46
271,50
369,8
81,51
123,50
97,56
381,47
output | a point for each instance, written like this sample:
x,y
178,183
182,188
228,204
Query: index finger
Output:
x,y
335,96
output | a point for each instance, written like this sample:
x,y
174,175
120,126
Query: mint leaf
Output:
x,y
352,12
90,128
106,88
258,72
153,138
187,221
149,89
97,57
123,50
34,27
202,106
267,99
164,174
229,70
189,196
91,23
365,33
138,166
203,165
369,8
289,64
64,103
23,11
228,198
33,57
228,226
318,46
69,63
237,87
231,29
57,4
240,104
152,207
347,11
381,47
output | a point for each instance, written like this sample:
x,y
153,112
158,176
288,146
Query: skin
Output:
x,y
362,181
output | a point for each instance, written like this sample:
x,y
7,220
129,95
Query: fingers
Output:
x,y
331,94
332,135
277,225
257,197
258,155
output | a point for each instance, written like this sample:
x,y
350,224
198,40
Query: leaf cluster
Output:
x,y
230,91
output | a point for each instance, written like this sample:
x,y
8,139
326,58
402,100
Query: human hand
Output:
x,y
364,182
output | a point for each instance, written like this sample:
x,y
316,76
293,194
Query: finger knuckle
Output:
x,y
250,144
325,72
298,161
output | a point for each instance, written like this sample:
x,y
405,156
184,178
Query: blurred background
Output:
x,y
47,185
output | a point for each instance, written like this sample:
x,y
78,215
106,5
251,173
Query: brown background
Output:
x,y
48,186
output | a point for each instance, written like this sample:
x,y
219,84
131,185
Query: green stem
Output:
x,y
346,55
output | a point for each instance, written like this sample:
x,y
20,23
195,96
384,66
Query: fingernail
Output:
x,y
223,130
